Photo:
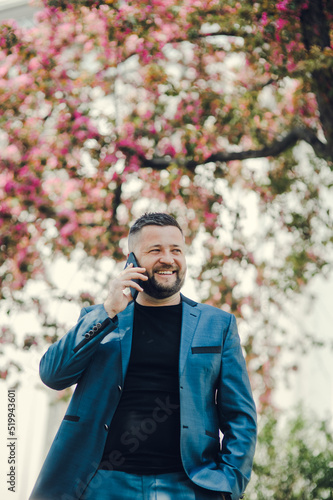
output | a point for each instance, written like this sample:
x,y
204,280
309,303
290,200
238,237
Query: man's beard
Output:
x,y
161,291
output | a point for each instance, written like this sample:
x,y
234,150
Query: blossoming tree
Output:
x,y
219,112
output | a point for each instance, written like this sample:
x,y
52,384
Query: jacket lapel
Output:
x,y
190,320
125,328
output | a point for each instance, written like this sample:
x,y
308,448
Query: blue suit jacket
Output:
x,y
215,395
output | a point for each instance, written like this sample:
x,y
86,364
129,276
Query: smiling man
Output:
x,y
157,379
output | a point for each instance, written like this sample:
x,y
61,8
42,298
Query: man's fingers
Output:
x,y
119,295
132,284
135,275
130,267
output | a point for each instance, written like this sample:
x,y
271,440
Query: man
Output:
x,y
157,379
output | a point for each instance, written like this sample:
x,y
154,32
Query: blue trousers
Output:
x,y
115,485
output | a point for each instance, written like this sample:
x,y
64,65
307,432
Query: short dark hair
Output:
x,y
154,219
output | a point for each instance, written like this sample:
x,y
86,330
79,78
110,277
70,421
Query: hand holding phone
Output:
x,y
132,260
117,299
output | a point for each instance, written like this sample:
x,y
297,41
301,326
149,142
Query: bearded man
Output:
x,y
163,408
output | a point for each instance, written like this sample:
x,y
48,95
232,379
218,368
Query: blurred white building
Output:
x,y
20,10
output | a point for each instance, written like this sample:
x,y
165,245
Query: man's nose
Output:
x,y
167,258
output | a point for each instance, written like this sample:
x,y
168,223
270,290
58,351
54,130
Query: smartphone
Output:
x,y
132,260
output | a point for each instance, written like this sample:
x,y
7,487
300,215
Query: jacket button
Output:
x,y
87,335
95,329
106,427
98,325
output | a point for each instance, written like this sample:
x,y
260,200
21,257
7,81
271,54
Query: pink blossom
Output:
x,y
256,120
282,6
169,150
264,19
68,229
147,116
81,135
24,170
52,162
209,217
24,80
9,186
146,56
280,24
34,64
291,66
132,42
4,69
11,152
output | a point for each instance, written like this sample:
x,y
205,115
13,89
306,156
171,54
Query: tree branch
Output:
x,y
316,33
230,33
274,149
115,203
259,86
196,36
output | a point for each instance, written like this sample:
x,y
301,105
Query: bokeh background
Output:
x,y
219,113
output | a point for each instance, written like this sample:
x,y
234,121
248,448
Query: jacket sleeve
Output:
x,y
64,362
237,413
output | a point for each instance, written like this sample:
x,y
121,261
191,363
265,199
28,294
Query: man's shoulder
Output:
x,y
207,308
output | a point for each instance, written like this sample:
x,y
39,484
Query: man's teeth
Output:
x,y
165,272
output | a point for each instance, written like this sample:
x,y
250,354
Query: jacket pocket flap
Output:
x,y
71,418
207,349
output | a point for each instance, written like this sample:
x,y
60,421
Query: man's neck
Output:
x,y
145,300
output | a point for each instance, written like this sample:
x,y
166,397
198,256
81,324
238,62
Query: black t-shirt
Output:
x,y
144,435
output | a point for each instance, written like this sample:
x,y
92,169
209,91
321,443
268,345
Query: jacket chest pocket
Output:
x,y
207,349
206,359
